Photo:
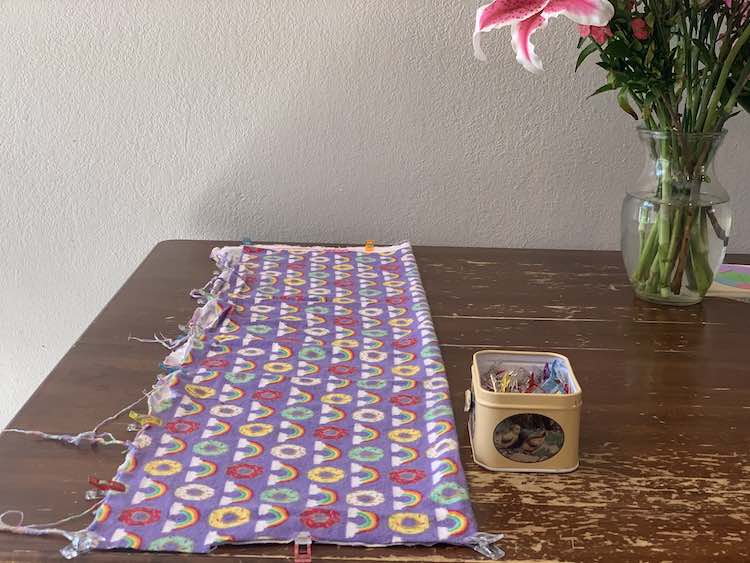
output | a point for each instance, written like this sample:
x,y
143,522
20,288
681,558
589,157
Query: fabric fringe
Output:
x,y
168,343
88,438
81,541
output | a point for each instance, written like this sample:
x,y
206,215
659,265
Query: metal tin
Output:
x,y
523,432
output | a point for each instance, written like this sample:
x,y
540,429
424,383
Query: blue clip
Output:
x,y
168,369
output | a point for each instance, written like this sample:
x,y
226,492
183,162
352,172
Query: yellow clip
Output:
x,y
369,246
144,419
505,382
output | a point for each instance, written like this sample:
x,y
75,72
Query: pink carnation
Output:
x,y
640,28
596,32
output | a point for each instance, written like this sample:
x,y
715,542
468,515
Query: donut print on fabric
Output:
x,y
310,395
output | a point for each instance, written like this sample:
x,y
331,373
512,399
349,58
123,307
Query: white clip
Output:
x,y
80,542
484,543
93,494
467,400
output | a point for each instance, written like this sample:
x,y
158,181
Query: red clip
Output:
x,y
104,485
303,548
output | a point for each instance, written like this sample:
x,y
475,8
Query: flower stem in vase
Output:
x,y
647,255
699,253
664,220
683,253
653,278
675,240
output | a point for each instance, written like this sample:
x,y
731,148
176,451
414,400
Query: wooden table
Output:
x,y
664,474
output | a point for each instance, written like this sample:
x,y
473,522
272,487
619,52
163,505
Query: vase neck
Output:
x,y
683,162
680,166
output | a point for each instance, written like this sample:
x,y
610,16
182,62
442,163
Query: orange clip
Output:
x,y
369,246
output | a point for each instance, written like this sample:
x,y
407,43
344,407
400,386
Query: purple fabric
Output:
x,y
310,395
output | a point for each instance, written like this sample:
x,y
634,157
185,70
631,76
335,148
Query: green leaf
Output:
x,y
617,49
743,100
601,89
704,55
622,100
650,54
590,48
646,110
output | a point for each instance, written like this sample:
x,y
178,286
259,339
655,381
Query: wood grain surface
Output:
x,y
664,473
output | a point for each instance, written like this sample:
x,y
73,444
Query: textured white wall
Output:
x,y
126,123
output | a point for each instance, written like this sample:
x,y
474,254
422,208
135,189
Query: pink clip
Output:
x,y
304,541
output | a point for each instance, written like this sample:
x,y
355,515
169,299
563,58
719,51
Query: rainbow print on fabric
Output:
x,y
308,396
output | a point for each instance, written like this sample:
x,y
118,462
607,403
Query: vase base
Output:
x,y
675,300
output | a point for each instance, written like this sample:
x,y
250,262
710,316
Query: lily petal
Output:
x,y
501,13
583,12
521,41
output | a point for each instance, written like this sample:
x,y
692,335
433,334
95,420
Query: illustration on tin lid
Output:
x,y
528,437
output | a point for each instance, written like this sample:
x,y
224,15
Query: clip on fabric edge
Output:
x,y
303,548
145,419
484,543
101,487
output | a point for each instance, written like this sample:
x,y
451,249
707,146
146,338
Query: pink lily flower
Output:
x,y
526,16
744,9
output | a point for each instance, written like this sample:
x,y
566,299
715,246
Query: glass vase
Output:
x,y
676,221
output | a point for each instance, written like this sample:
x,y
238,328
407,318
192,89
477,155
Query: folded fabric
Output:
x,y
309,396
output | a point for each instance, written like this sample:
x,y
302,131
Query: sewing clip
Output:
x,y
105,485
369,246
80,542
467,400
303,548
101,486
505,382
145,419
